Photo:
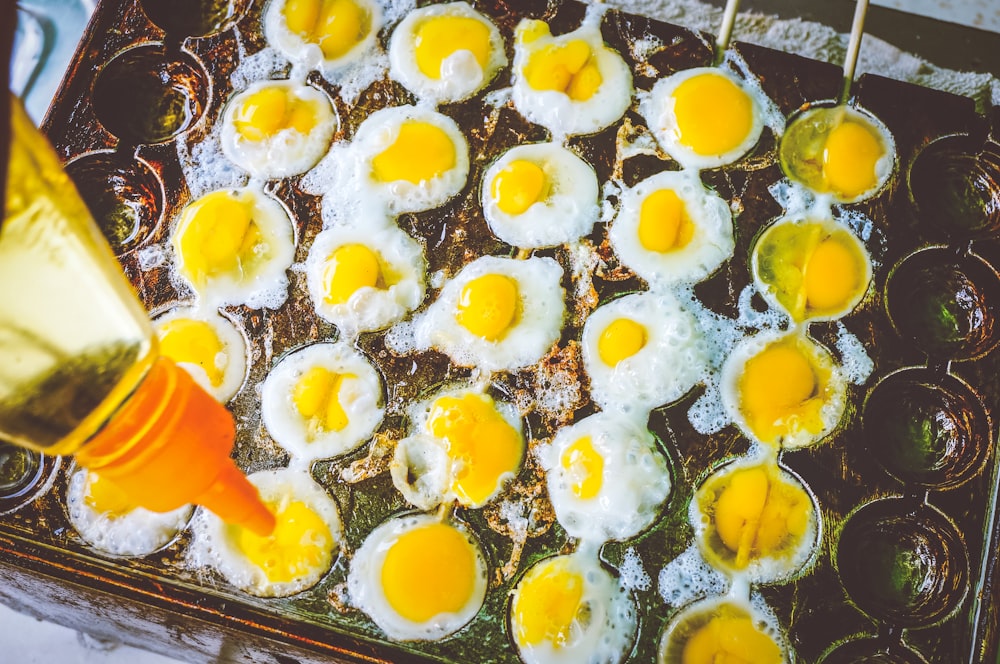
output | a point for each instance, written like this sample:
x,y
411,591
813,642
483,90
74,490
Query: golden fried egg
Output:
x,y
233,246
322,34
464,446
812,268
445,53
275,129
567,608
722,629
540,195
105,518
641,351
322,401
571,83
208,345
606,479
291,559
783,389
418,577
670,228
705,117
364,279
496,314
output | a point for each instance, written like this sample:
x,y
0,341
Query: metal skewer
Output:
x,y
726,30
853,47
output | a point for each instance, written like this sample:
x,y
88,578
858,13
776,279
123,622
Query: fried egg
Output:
x,y
411,158
641,351
838,151
322,34
606,479
208,345
496,314
322,401
670,228
275,129
567,608
722,629
363,279
783,389
755,518
540,195
418,577
571,83
291,559
463,446
705,117
812,268
445,53
105,518
233,246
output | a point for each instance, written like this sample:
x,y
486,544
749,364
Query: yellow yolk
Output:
x,y
482,444
336,25
758,514
568,68
218,237
713,113
585,466
350,268
664,223
850,155
429,570
519,186
420,152
440,36
194,342
547,604
488,306
730,639
274,109
832,275
106,498
317,397
621,339
301,542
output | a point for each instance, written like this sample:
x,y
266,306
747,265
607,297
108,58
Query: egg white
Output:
x,y
309,54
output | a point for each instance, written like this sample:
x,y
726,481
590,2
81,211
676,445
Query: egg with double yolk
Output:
x,y
328,34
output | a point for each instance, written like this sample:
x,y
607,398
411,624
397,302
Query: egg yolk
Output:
x,y
713,114
194,342
758,514
104,497
301,542
664,223
317,398
482,445
488,306
218,236
621,339
585,467
850,157
568,67
350,268
438,37
336,25
274,109
519,186
421,152
730,639
429,570
781,391
547,604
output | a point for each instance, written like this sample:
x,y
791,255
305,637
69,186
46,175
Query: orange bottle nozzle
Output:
x,y
169,445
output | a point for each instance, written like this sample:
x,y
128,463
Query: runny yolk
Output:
x,y
317,398
488,306
301,542
428,571
585,467
218,237
713,113
567,67
519,186
439,37
194,342
621,339
482,445
547,604
350,268
833,275
664,223
421,152
336,25
106,498
850,156
274,109
730,639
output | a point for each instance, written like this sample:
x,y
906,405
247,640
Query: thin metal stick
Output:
x,y
853,47
726,30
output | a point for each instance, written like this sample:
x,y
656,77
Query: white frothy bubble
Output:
x,y
688,577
